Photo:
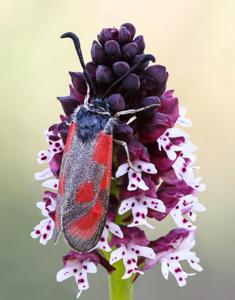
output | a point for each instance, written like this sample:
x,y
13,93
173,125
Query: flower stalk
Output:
x,y
120,288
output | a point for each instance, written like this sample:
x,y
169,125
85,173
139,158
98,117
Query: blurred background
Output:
x,y
195,40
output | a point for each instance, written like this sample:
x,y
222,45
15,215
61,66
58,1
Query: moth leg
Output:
x,y
124,144
132,119
134,111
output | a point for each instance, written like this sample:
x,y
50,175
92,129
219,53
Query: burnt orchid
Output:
x,y
155,180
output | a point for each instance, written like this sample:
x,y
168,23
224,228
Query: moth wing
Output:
x,y
86,184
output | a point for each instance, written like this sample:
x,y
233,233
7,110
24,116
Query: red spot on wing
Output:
x,y
105,183
85,193
103,155
72,130
103,149
86,226
61,185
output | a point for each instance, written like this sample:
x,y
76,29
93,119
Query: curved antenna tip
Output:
x,y
68,34
150,57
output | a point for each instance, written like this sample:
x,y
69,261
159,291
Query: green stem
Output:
x,y
120,289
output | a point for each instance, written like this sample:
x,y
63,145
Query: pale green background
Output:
x,y
195,40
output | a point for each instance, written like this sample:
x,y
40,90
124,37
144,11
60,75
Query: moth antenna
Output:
x,y
132,69
77,46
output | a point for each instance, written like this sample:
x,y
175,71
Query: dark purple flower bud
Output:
x,y
122,131
78,82
146,102
155,78
151,130
97,53
112,48
169,105
69,104
63,130
107,34
129,50
120,68
91,68
55,164
116,103
138,151
159,158
71,255
139,40
167,242
131,83
131,234
104,75
124,35
131,28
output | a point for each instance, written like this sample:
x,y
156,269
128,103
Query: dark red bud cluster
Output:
x,y
113,54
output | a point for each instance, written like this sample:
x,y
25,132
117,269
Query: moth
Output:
x,y
85,175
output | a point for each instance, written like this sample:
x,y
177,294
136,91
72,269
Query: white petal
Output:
x,y
186,203
145,166
129,273
165,268
43,156
115,229
90,267
117,254
42,207
155,204
82,281
198,207
44,230
64,274
181,221
43,174
194,265
141,222
122,169
144,251
130,264
139,212
51,184
178,273
126,205
136,181
103,242
192,215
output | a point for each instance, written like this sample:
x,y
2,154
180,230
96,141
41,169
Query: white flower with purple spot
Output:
x,y
112,228
44,230
184,169
170,251
135,176
171,263
139,206
48,182
129,254
78,269
165,142
187,206
55,145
